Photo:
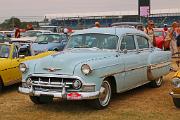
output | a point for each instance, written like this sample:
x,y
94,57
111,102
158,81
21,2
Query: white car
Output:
x,y
30,35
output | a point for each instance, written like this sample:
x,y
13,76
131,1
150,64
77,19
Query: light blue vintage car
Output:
x,y
96,63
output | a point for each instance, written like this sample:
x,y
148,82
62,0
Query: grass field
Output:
x,y
142,103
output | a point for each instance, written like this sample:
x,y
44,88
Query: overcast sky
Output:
x,y
42,7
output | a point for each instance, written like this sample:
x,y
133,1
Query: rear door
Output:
x,y
144,51
133,62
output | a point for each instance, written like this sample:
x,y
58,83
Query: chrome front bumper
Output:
x,y
62,95
174,95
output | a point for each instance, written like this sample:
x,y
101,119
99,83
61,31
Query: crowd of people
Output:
x,y
172,35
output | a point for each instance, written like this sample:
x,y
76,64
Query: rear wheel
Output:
x,y
156,83
176,102
41,100
104,96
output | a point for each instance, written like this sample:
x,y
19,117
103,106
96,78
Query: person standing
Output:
x,y
17,32
172,34
178,36
150,32
97,24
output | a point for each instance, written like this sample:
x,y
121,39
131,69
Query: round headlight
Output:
x,y
22,67
86,69
77,84
176,82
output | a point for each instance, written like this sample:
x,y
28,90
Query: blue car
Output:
x,y
96,63
49,42
3,38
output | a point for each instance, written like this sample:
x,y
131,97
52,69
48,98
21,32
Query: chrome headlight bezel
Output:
x,y
86,69
23,67
176,82
77,84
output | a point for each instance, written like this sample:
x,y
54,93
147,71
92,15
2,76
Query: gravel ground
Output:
x,y
142,103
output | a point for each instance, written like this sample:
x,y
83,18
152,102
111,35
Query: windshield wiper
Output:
x,y
85,46
42,42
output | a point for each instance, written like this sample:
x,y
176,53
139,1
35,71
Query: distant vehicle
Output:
x,y
49,42
136,25
50,28
7,33
95,64
30,35
4,38
11,57
160,39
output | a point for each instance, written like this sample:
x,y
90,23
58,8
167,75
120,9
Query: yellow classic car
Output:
x,y
10,58
176,86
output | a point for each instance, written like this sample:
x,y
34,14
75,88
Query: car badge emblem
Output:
x,y
52,69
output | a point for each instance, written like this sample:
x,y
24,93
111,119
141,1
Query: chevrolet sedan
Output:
x,y
96,63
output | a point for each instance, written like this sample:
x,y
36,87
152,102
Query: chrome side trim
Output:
x,y
150,67
160,65
123,71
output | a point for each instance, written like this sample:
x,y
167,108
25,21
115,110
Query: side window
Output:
x,y
15,53
24,50
128,43
142,42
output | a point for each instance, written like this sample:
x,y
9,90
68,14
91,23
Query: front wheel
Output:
x,y
176,102
156,83
104,96
41,100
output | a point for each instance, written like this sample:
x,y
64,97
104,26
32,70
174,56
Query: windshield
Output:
x,y
4,51
158,33
93,40
49,38
31,33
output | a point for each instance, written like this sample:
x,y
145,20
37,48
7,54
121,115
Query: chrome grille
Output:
x,y
52,83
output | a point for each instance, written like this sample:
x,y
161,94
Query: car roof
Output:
x,y
41,30
110,30
53,34
127,23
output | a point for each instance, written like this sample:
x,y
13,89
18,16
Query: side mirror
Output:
x,y
21,56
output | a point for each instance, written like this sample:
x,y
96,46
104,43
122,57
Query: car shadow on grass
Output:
x,y
74,106
11,88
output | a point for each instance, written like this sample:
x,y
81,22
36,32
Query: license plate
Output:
x,y
74,96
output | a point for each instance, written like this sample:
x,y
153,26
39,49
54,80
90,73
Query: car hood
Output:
x,y
32,39
43,47
65,62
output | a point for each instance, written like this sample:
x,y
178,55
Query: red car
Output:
x,y
160,39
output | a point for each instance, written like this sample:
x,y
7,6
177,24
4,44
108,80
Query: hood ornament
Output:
x,y
52,69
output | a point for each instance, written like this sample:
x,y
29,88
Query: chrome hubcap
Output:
x,y
105,93
159,81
